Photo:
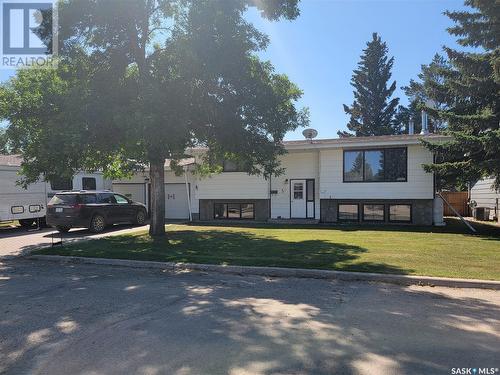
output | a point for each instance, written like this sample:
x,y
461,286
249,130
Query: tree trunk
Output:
x,y
157,214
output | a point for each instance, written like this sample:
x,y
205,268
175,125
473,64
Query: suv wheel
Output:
x,y
63,229
97,224
140,217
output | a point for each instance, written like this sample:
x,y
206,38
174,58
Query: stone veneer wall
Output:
x,y
261,207
421,209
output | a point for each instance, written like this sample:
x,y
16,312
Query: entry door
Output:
x,y
298,202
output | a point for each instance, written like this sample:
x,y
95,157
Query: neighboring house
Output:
x,y
25,205
360,179
484,195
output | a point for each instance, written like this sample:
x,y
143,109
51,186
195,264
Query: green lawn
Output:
x,y
449,251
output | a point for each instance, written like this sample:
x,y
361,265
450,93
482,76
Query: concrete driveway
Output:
x,y
87,319
16,241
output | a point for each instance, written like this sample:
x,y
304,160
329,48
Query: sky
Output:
x,y
320,49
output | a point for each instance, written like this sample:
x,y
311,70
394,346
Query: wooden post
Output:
x,y
456,213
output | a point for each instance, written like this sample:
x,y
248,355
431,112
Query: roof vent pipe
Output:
x,y
411,127
425,124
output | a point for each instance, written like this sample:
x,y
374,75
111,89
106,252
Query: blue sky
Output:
x,y
319,50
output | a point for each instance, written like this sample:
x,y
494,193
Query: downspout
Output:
x,y
188,193
270,197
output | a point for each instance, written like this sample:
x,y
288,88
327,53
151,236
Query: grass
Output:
x,y
446,252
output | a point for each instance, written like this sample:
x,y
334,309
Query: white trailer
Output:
x,y
26,205
29,205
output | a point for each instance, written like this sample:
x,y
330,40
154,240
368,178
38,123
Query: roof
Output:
x,y
15,161
379,140
373,138
181,163
371,141
11,160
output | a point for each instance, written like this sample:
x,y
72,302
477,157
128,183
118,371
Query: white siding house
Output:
x,y
419,184
300,166
484,195
363,179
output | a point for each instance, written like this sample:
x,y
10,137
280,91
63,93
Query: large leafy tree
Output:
x,y
4,142
373,110
469,88
140,81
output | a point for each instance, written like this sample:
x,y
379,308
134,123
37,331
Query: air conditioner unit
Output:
x,y
482,213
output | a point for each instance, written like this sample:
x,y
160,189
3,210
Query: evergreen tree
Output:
x,y
470,89
373,110
427,87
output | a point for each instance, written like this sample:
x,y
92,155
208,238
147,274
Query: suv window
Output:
x,y
120,200
106,198
88,198
63,199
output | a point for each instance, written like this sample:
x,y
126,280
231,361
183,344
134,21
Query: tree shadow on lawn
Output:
x,y
230,248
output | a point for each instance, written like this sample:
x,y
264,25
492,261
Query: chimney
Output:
x,y
411,127
425,124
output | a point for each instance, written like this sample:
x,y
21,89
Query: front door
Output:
x,y
298,205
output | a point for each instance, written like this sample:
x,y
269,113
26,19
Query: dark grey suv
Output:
x,y
92,209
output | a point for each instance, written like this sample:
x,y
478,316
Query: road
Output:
x,y
16,241
87,319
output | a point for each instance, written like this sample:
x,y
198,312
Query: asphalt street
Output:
x,y
87,319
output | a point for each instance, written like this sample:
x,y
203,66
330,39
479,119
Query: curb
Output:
x,y
280,272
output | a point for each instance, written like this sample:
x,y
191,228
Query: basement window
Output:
x,y
348,212
400,213
373,212
234,211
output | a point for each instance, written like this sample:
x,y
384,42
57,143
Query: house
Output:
x,y
376,179
483,194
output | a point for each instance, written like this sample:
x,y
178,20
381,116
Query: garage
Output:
x,y
135,192
176,201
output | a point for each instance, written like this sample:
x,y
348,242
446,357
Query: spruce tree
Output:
x,y
471,92
419,92
373,110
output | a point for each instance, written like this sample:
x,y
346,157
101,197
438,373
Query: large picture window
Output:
x,y
384,165
234,211
353,166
